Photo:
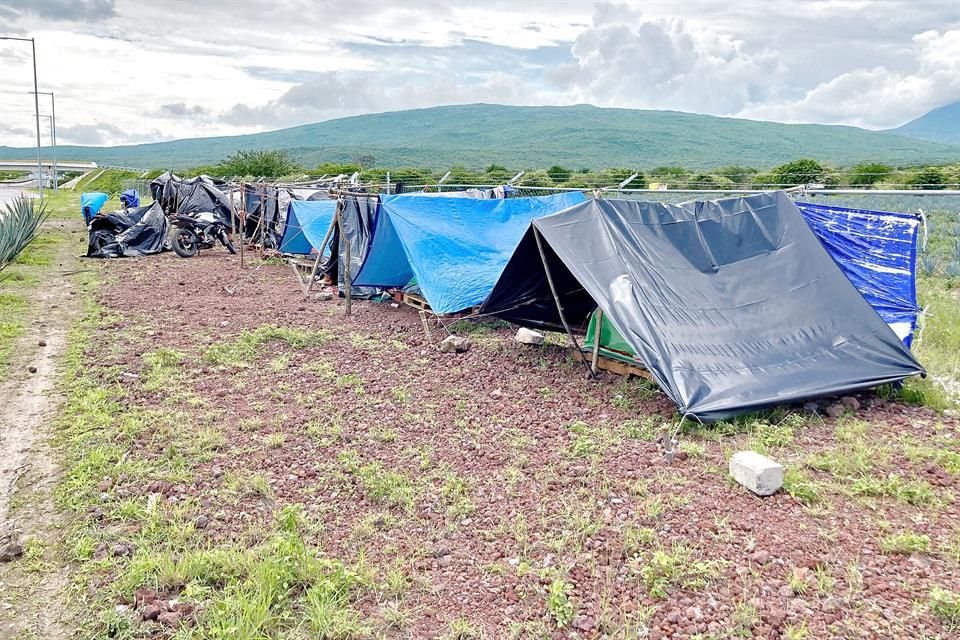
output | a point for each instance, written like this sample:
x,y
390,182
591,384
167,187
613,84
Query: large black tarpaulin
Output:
x,y
733,305
128,233
201,197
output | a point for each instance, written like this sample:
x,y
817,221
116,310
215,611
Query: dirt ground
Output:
x,y
31,605
496,493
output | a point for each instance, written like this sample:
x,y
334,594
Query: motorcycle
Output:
x,y
199,231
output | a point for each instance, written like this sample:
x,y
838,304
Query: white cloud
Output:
x,y
625,60
880,97
179,68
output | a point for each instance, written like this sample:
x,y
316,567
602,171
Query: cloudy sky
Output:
x,y
128,71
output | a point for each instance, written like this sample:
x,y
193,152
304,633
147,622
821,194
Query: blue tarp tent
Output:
x,y
307,224
877,250
91,203
456,248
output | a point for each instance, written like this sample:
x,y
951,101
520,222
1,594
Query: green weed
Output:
x,y
243,350
945,604
905,543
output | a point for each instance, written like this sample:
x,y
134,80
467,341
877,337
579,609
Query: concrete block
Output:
x,y
528,336
757,473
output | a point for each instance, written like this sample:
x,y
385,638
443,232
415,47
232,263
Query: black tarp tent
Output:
x,y
732,305
129,233
193,195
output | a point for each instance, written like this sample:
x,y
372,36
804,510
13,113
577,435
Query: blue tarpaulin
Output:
x,y
877,250
456,248
91,203
307,224
130,198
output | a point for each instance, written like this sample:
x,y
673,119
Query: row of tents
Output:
x,y
731,305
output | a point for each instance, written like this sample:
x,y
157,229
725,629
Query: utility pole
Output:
x,y
53,137
36,106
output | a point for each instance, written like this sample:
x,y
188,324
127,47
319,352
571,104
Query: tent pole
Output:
x,y
316,263
556,299
596,341
347,284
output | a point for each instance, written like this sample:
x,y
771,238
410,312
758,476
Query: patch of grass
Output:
x,y
854,459
798,485
636,539
274,440
643,428
455,494
462,629
41,251
629,393
387,487
945,604
161,367
948,460
905,543
798,582
559,606
351,381
676,566
796,632
242,351
776,435
588,440
913,492
13,308
745,619
693,449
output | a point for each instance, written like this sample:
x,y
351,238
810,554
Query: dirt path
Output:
x,y
28,471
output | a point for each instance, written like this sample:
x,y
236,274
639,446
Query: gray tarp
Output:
x,y
733,305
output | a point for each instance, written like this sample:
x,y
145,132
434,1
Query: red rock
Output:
x,y
151,612
170,618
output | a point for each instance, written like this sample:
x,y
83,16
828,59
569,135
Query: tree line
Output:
x,y
804,171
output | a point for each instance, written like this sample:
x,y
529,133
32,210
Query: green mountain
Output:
x,y
534,137
939,125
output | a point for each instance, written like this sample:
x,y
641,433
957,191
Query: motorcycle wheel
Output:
x,y
225,241
185,243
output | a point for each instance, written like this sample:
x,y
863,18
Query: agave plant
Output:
x,y
19,222
929,264
952,269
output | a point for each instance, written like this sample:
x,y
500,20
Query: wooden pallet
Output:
x,y
622,368
415,301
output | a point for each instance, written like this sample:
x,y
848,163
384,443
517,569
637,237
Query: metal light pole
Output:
x,y
36,106
53,137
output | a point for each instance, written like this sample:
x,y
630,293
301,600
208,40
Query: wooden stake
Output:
x,y
596,341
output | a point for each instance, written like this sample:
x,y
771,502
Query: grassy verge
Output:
x,y
147,548
27,273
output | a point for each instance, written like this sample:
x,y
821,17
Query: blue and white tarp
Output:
x,y
307,224
877,250
456,248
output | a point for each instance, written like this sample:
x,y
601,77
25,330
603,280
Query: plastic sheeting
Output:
x,y
455,247
307,224
732,305
877,250
133,232
359,218
91,203
130,198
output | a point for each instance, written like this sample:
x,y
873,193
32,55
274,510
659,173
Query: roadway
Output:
x,y
9,192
